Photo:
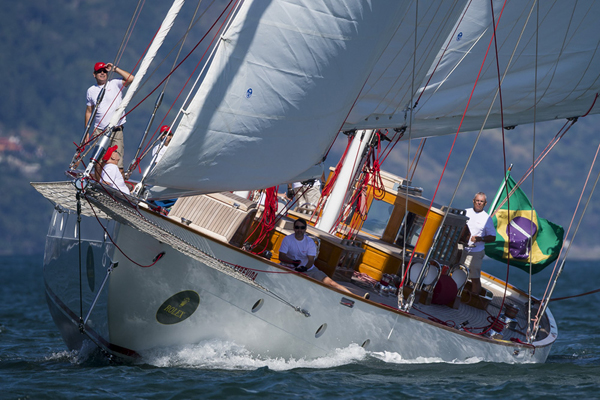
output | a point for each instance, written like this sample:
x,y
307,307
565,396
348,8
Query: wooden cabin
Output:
x,y
396,225
396,221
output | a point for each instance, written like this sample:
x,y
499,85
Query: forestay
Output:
x,y
282,81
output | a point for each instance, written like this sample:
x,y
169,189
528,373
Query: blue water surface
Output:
x,y
34,362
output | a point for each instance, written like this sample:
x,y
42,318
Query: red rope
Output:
x,y
268,218
158,257
442,56
328,187
177,67
553,142
417,158
454,141
370,176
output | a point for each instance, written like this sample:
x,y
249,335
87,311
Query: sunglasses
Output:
x,y
300,227
102,71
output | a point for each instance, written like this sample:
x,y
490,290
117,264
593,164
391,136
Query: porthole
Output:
x,y
257,305
321,331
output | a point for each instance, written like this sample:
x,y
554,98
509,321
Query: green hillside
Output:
x,y
48,52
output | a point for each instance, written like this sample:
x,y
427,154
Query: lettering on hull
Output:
x,y
178,307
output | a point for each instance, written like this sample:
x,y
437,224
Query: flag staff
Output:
x,y
491,210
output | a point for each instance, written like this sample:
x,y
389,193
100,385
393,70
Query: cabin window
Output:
x,y
414,225
378,217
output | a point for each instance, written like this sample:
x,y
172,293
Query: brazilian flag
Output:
x,y
521,236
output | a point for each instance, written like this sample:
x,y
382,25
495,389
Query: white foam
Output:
x,y
216,354
71,356
395,358
226,355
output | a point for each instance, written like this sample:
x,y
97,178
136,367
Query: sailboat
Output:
x,y
126,276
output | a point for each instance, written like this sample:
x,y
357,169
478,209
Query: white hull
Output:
x,y
124,319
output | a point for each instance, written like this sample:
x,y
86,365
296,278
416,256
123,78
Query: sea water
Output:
x,y
34,362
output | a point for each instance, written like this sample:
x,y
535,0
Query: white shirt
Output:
x,y
480,224
161,152
298,249
112,175
316,184
112,99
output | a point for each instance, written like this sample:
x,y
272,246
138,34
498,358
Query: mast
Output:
x,y
352,162
164,29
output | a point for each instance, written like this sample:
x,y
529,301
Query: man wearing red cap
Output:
x,y
110,102
110,171
165,139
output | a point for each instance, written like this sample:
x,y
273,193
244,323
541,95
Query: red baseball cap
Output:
x,y
99,65
165,128
109,152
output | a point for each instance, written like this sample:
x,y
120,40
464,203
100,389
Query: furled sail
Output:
x,y
567,60
282,81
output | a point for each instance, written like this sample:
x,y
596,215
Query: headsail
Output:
x,y
282,81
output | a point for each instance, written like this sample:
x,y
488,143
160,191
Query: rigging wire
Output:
x,y
210,46
530,241
443,53
452,148
187,56
268,219
80,149
417,157
556,272
404,269
329,185
553,142
574,296
190,77
136,159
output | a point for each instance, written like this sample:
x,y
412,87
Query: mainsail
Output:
x,y
566,58
284,78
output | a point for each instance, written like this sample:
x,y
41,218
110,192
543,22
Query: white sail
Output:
x,y
159,38
568,70
283,80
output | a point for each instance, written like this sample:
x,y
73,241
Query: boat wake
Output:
x,y
395,358
216,354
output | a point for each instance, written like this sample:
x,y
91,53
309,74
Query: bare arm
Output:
x,y
127,77
484,239
311,262
286,259
88,114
